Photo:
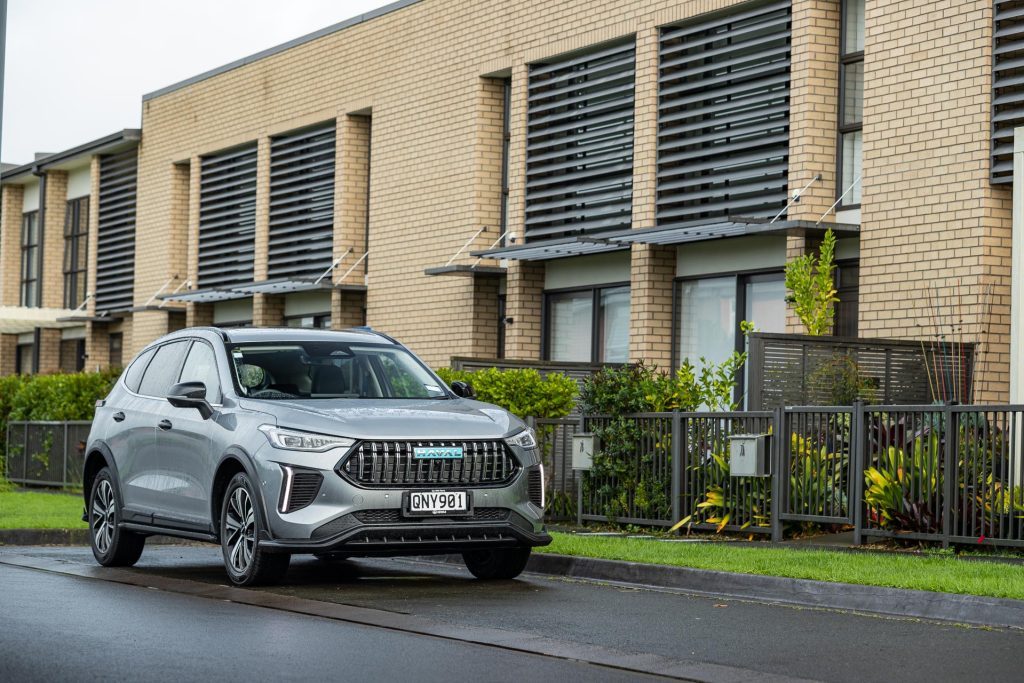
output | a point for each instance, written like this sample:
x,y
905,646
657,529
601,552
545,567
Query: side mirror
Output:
x,y
463,390
190,395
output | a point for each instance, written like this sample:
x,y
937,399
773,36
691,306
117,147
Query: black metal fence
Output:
x,y
800,370
46,453
951,474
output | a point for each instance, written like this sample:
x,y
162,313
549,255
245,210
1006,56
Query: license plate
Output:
x,y
432,503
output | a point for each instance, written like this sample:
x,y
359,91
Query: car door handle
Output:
x,y
119,416
164,425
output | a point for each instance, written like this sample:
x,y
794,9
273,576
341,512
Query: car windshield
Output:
x,y
326,370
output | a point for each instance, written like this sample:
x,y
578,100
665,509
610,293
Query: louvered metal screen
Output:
x,y
302,203
227,218
1007,84
115,244
579,155
723,132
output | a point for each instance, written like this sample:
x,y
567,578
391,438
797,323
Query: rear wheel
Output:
x,y
496,564
112,546
246,563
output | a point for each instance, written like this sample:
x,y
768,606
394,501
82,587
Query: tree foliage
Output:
x,y
810,280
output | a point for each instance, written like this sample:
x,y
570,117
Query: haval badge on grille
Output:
x,y
437,452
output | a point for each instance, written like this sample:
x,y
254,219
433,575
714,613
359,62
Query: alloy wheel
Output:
x,y
104,509
240,528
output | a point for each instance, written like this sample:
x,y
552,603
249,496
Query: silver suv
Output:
x,y
272,442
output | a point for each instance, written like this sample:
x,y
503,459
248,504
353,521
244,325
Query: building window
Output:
x,y
30,261
588,325
851,102
23,359
76,251
848,293
115,346
312,322
706,314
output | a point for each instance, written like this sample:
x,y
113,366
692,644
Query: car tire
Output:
x,y
496,564
247,564
112,546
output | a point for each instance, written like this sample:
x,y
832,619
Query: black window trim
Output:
x,y
75,240
740,278
155,348
845,59
37,281
595,318
216,368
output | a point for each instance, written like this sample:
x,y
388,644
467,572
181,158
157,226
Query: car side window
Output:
x,y
163,369
201,366
133,375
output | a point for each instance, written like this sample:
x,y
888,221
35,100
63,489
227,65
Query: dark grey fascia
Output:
x,y
301,40
104,144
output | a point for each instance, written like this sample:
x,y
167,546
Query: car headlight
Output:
x,y
524,439
291,440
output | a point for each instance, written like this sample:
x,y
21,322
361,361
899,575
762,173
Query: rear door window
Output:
x,y
133,375
163,370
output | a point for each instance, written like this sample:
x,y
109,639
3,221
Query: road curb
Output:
x,y
69,537
899,602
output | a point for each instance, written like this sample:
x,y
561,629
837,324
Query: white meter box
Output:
x,y
748,455
583,446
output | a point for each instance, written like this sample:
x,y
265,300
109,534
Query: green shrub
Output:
x,y
50,397
522,392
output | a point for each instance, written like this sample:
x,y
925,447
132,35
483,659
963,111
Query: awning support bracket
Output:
x,y
333,265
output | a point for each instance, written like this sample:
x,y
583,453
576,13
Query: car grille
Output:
x,y
393,516
390,464
305,486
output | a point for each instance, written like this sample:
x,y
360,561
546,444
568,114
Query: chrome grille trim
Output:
x,y
382,464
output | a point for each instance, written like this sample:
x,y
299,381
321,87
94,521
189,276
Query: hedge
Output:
x,y
522,392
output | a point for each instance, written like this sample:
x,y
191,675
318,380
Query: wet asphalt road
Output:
x,y
61,627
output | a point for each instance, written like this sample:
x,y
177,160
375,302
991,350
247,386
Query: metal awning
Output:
x,y
735,227
468,271
19,319
282,286
554,249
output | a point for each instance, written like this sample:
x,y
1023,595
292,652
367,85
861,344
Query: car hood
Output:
x,y
393,418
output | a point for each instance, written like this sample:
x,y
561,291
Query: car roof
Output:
x,y
242,335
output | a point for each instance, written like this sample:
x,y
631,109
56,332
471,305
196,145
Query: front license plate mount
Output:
x,y
437,503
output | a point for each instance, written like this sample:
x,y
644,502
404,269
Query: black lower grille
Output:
x,y
381,464
394,516
535,485
304,487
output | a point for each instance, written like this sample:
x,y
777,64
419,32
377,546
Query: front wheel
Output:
x,y
112,546
246,563
496,564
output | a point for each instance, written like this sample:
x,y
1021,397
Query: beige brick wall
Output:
x,y
49,351
523,305
94,227
653,269
418,70
347,309
933,225
53,239
8,354
11,205
267,310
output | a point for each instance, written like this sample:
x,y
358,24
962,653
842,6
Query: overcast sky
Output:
x,y
76,70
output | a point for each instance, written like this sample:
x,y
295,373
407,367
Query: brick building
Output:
x,y
578,181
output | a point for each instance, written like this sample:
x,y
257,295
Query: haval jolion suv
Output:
x,y
273,442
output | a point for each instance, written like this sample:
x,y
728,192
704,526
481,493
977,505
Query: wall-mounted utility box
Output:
x,y
583,446
748,455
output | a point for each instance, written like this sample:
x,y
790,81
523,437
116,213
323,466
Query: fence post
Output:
x,y
677,467
64,472
858,440
583,475
948,473
778,468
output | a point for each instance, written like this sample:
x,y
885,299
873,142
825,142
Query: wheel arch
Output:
x,y
233,461
97,457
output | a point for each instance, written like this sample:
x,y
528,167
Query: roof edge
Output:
x,y
125,135
295,42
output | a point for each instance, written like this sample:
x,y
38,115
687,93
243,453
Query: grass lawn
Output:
x,y
942,574
40,510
